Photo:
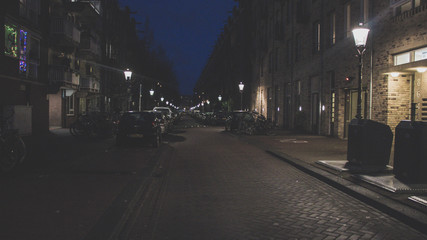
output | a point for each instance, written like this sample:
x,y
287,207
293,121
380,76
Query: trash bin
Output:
x,y
369,144
410,152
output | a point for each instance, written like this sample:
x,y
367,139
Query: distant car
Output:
x,y
139,125
162,121
168,112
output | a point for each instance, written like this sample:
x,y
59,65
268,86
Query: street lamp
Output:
x,y
241,86
219,98
360,35
151,92
128,74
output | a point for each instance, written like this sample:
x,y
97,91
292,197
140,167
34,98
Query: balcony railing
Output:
x,y
30,12
63,27
89,84
94,4
63,75
410,13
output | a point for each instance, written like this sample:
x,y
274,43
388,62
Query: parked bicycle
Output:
x,y
93,124
253,123
12,148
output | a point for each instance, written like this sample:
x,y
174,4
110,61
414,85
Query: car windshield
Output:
x,y
162,110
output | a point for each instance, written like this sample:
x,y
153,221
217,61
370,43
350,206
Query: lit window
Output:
x,y
420,54
69,102
347,19
316,37
332,28
402,58
11,40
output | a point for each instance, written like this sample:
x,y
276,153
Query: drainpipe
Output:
x,y
321,74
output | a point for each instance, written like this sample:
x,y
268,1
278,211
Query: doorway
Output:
x,y
350,108
419,95
315,110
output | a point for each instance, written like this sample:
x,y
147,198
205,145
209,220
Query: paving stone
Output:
x,y
219,188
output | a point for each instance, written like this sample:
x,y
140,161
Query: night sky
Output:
x,y
186,29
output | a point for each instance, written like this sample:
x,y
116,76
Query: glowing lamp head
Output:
x,y
128,74
241,86
360,35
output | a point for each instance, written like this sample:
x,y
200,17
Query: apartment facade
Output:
x,y
23,72
303,69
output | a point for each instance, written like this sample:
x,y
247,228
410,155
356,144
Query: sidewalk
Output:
x,y
404,202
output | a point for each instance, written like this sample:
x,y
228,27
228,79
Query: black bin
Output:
x,y
410,152
369,144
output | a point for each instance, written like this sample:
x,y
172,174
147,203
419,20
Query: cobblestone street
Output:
x,y
216,187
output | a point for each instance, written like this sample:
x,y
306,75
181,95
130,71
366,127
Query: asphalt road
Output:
x,y
202,183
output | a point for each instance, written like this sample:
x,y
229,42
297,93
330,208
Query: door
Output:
x,y
351,107
315,110
419,96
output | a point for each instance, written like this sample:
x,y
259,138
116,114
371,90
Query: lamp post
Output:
x,y
241,86
360,35
219,98
151,96
128,76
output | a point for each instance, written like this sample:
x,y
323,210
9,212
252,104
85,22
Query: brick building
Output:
x,y
302,66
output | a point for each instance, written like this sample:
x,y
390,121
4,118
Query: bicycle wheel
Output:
x,y
13,152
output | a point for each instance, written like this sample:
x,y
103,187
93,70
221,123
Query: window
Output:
x,y
402,58
289,51
411,56
316,37
298,47
261,67
332,106
69,102
30,9
365,11
332,29
276,60
420,54
11,40
289,12
347,20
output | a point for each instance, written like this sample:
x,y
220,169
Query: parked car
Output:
x,y
144,126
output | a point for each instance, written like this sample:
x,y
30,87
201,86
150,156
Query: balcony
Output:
x,y
410,13
80,5
62,76
89,84
65,31
31,13
90,45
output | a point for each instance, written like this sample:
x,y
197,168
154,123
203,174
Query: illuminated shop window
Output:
x,y
11,40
